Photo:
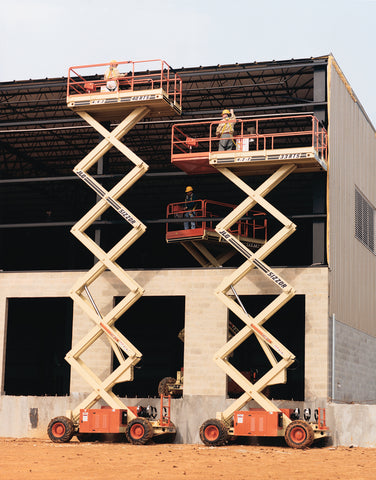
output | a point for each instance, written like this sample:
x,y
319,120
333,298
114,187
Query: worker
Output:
x,y
190,205
112,75
225,130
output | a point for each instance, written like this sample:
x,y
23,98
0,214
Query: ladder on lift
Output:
x,y
275,155
152,93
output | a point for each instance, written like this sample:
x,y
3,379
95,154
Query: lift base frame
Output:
x,y
256,422
111,420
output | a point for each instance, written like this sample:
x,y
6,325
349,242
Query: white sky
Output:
x,y
43,38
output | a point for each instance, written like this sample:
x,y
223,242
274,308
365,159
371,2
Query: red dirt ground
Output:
x,y
24,459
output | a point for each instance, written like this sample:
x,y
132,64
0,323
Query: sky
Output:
x,y
43,38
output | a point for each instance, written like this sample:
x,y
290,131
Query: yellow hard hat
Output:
x,y
226,112
188,189
114,62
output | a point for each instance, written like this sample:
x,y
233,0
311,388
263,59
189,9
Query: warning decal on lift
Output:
x,y
284,156
104,101
103,194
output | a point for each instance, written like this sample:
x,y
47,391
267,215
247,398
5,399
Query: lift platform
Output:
x,y
273,147
149,83
260,146
156,92
203,242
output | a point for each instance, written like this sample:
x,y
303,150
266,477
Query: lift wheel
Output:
x,y
60,429
214,432
139,431
299,434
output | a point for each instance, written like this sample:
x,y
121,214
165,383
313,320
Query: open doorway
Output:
x,y
287,326
153,325
39,334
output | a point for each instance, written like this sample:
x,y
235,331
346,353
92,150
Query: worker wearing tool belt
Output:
x,y
225,130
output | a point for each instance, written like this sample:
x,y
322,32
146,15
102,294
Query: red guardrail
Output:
x,y
253,134
208,213
140,75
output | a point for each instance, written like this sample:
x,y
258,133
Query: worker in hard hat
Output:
x,y
190,207
225,130
112,75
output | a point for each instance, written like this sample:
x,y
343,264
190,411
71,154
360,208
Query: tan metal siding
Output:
x,y
352,147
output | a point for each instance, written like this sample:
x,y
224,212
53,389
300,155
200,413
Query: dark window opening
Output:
x,y
39,335
153,325
287,326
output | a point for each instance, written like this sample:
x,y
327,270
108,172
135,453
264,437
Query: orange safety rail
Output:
x,y
165,418
321,421
197,140
141,75
208,213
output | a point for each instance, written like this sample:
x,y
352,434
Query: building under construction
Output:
x,y
264,295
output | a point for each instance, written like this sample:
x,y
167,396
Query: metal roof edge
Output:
x,y
211,68
333,61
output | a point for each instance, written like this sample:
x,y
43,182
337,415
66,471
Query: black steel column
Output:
x,y
319,190
319,225
319,93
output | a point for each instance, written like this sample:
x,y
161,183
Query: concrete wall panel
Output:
x,y
205,332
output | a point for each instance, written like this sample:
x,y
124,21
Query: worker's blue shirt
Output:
x,y
190,201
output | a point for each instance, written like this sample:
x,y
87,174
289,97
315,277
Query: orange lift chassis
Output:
x,y
302,147
148,89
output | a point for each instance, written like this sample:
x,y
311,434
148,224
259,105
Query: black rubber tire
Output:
x,y
60,429
213,432
163,385
299,434
139,431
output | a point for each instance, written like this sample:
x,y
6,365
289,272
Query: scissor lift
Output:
x,y
138,94
267,146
